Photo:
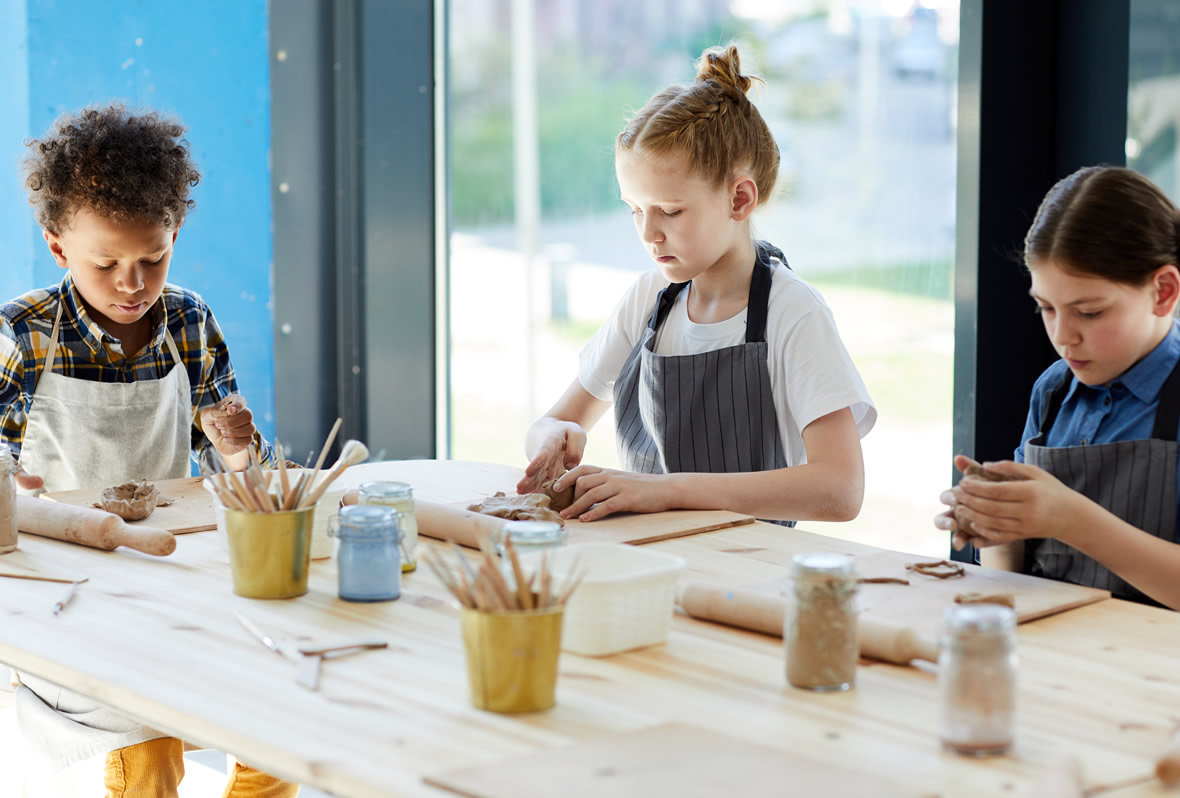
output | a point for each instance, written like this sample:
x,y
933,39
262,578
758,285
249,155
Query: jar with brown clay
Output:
x,y
7,501
977,679
820,627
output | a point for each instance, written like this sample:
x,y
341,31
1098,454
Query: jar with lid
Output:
x,y
820,623
7,501
529,536
977,679
368,564
399,496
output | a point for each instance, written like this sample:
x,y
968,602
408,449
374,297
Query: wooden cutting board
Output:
x,y
921,603
669,760
460,483
640,528
191,509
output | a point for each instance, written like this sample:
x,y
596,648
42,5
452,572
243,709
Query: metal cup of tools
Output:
x,y
269,552
512,657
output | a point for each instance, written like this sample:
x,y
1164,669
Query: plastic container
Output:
x,y
625,601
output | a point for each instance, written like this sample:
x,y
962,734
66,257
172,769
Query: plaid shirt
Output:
x,y
87,352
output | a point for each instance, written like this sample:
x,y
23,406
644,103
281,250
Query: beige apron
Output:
x,y
86,434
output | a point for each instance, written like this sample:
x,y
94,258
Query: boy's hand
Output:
x,y
28,481
229,425
1036,506
947,520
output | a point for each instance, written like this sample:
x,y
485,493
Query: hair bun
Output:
x,y
723,66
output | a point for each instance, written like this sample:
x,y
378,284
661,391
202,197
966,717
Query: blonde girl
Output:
x,y
730,384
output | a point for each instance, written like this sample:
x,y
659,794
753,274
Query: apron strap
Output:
x,y
1167,413
1053,406
664,303
51,354
757,309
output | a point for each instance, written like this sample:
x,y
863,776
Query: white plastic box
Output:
x,y
625,601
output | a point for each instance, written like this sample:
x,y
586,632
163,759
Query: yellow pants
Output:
x,y
154,770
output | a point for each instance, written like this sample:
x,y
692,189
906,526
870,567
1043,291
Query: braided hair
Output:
x,y
712,124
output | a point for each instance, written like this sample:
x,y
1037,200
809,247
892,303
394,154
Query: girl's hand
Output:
x,y
1037,506
561,450
229,425
598,492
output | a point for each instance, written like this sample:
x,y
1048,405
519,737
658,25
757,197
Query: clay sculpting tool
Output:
x,y
66,598
40,578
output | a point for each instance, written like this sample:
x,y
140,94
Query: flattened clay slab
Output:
x,y
527,507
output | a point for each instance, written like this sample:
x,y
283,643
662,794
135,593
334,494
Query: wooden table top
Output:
x,y
157,639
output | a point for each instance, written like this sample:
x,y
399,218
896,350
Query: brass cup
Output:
x,y
269,552
512,658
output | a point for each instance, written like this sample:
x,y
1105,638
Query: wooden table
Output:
x,y
156,638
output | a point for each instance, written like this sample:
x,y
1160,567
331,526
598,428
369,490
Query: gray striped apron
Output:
x,y
711,412
1135,480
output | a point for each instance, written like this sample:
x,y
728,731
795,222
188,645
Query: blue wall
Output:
x,y
204,62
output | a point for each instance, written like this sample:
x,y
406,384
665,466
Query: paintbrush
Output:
x,y
353,453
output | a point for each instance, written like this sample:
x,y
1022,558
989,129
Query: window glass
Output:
x,y
861,99
1153,93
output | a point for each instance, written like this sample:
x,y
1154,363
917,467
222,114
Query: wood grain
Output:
x,y
157,639
673,759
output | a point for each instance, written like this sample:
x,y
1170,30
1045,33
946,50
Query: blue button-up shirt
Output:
x,y
1122,410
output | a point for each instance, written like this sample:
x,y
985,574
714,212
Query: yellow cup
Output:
x,y
512,658
268,552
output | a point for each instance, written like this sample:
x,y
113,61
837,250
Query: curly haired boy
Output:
x,y
112,375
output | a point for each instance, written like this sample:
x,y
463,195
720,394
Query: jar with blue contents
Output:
x,y
368,562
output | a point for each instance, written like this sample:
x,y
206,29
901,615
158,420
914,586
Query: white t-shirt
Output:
x,y
811,373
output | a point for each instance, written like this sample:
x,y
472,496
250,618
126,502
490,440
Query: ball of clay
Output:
x,y
976,471
558,499
131,501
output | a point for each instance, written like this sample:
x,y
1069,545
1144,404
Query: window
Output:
x,y
861,101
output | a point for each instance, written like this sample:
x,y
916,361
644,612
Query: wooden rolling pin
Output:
x,y
759,612
94,528
450,523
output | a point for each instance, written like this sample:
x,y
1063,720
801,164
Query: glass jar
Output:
x,y
399,496
368,563
977,679
529,536
820,624
7,501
